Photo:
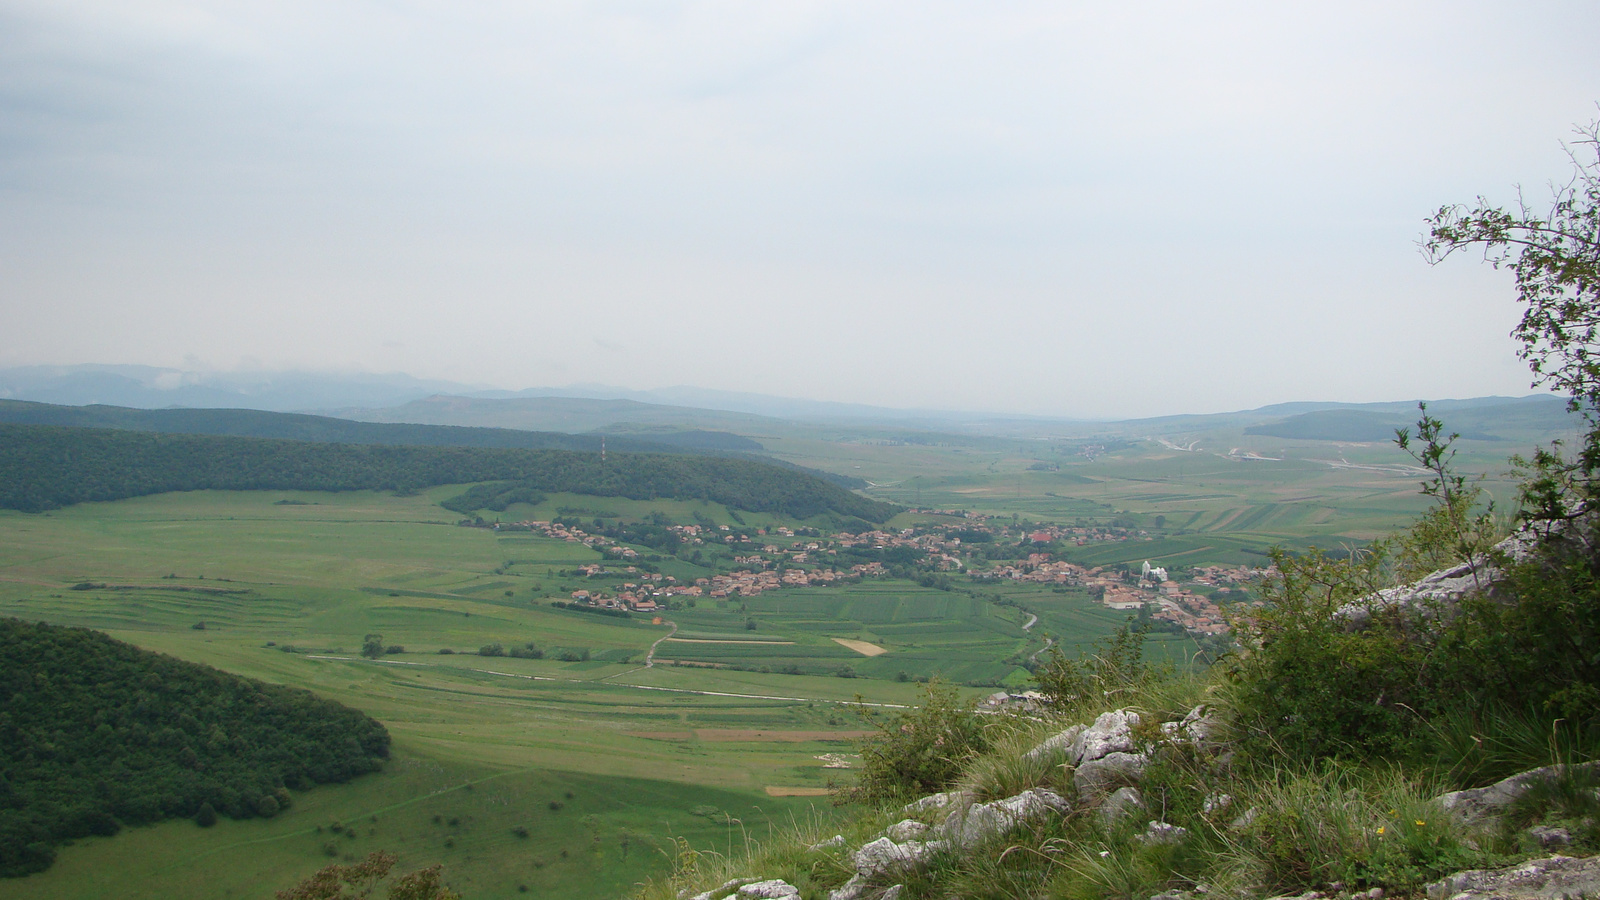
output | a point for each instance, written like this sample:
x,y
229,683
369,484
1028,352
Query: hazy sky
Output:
x,y
1068,208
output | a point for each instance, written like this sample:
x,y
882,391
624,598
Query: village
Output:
x,y
784,558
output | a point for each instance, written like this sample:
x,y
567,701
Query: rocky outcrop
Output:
x,y
1477,804
1112,732
1095,777
968,827
1439,594
886,855
1556,878
1107,760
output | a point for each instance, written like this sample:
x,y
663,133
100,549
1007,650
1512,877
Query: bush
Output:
x,y
918,752
492,650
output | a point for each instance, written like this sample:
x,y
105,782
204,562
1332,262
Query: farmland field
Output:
x,y
286,591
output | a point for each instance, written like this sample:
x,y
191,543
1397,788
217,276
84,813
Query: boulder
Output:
x,y
971,826
1112,732
775,889
885,855
1121,802
1555,878
1095,777
893,893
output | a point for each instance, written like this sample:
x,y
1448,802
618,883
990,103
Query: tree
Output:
x,y
372,646
1555,257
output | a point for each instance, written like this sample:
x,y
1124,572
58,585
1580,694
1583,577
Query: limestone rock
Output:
x,y
1056,744
1096,776
850,890
1199,727
832,843
968,827
936,802
775,889
1216,803
1440,593
1121,802
1112,732
1158,834
885,855
906,830
1550,837
1478,803
893,893
1539,879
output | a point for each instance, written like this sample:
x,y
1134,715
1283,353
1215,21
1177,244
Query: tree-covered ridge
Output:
x,y
45,467
327,429
96,733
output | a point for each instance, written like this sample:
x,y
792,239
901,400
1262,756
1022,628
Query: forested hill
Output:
x,y
45,467
95,733
298,427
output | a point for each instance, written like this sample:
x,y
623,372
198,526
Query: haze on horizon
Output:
x,y
1057,209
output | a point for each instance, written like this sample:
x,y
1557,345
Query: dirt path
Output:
x,y
1047,644
650,657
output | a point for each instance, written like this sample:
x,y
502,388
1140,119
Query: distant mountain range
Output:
x,y
701,418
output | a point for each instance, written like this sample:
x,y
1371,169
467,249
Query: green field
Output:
x,y
286,593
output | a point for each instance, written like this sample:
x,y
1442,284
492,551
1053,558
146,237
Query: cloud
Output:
x,y
1088,207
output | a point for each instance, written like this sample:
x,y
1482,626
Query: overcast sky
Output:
x,y
1061,208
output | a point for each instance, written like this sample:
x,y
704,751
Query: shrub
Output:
x,y
918,752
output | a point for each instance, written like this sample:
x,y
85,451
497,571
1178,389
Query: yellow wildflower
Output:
x,y
1380,829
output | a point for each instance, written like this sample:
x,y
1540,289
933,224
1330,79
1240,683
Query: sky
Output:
x,y
1085,209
